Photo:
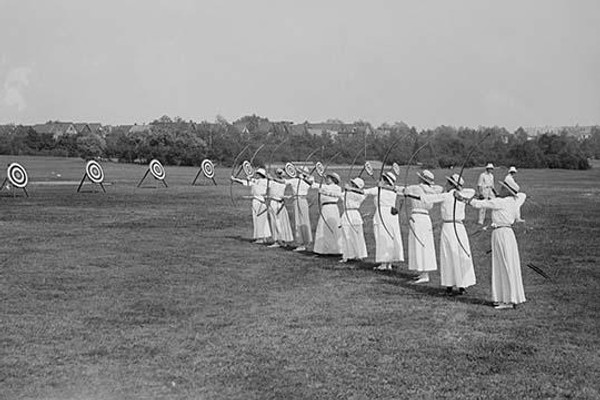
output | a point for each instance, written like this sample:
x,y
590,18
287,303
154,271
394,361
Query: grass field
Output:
x,y
158,293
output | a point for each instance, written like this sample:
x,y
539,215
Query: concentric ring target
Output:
x,y
208,168
396,168
17,175
157,170
320,168
368,168
290,169
94,171
248,169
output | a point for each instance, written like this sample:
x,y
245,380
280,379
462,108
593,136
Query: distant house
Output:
x,y
56,129
140,129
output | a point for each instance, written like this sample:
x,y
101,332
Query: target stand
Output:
x,y
207,168
158,172
93,172
17,178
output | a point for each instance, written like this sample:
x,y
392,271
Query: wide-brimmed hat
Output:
x,y
455,181
390,177
512,170
334,176
261,172
426,176
279,172
511,185
358,182
489,166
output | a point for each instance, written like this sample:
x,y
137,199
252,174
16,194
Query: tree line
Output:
x,y
177,142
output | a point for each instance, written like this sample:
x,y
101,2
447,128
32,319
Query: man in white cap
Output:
x,y
456,263
258,187
386,227
302,229
421,247
507,281
485,188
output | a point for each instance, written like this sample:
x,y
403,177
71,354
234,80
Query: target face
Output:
x,y
94,171
208,169
369,168
320,168
17,175
157,170
290,170
396,168
248,169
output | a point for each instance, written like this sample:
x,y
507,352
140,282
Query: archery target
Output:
x,y
157,170
320,168
17,175
368,168
94,171
248,169
290,170
208,168
396,169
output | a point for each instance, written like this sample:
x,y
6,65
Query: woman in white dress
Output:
x,y
302,229
456,263
258,187
328,235
386,227
277,211
507,281
421,248
353,237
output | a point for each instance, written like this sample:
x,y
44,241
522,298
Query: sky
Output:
x,y
428,63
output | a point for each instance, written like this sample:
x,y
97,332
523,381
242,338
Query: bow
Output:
x,y
385,157
268,202
462,169
346,191
300,179
234,174
408,217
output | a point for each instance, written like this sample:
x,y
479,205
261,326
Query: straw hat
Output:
x,y
427,176
390,178
261,172
358,182
334,176
454,180
489,166
512,170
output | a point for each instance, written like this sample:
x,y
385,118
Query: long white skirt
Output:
x,y
353,237
507,282
328,237
456,266
302,228
280,222
421,255
262,229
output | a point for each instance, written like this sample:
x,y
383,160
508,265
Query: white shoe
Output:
x,y
423,278
343,260
504,306
274,245
382,267
301,248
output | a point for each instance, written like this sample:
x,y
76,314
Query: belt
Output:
x,y
350,209
277,200
451,222
420,212
328,203
502,226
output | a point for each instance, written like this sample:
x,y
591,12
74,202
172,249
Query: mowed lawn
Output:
x,y
159,293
